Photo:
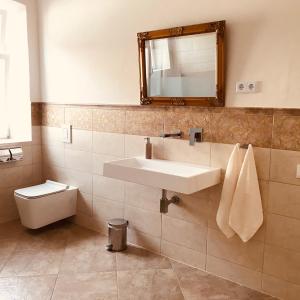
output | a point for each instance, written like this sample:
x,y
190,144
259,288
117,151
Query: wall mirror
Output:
x,y
183,65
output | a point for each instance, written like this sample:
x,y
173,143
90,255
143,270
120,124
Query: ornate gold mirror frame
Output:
x,y
217,27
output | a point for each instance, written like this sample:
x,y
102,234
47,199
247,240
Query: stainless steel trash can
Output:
x,y
117,235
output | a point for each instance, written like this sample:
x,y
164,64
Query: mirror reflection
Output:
x,y
183,66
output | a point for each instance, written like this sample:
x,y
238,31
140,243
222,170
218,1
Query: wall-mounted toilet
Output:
x,y
45,203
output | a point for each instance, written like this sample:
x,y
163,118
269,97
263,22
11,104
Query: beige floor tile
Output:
x,y
137,258
148,285
29,288
88,286
6,249
80,261
33,263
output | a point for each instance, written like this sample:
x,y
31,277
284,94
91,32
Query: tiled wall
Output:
x,y
20,174
188,232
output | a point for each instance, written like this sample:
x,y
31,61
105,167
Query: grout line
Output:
x,y
178,280
54,287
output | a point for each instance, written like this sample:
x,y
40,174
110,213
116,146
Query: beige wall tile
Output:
x,y
53,173
8,209
185,118
14,176
189,235
193,208
109,188
180,150
36,135
85,203
282,263
80,179
37,174
36,154
233,272
232,126
52,115
53,155
108,143
78,160
142,196
284,199
51,136
99,160
286,132
274,286
105,209
283,232
144,240
88,222
109,120
81,140
36,114
79,117
135,146
182,254
143,220
262,158
27,176
249,255
284,166
144,122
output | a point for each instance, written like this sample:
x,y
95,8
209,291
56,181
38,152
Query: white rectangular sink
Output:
x,y
170,175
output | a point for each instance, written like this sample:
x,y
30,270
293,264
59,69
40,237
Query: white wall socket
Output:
x,y
246,87
298,172
66,133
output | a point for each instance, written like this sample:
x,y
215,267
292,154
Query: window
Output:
x,y
15,118
4,129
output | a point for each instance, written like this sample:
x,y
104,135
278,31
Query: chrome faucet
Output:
x,y
196,135
177,134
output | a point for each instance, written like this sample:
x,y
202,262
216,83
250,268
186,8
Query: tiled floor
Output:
x,y
64,261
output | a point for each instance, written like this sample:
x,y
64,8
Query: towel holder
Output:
x,y
244,146
11,154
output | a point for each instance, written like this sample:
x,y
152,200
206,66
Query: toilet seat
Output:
x,y
37,191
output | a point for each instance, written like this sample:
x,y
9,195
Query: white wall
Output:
x,y
89,49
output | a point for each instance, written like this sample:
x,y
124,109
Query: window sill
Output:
x,y
5,142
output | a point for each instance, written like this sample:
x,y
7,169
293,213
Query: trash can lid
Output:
x,y
119,223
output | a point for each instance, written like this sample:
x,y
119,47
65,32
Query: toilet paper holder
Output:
x,y
11,154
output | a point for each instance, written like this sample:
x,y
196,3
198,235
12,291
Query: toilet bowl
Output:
x,y
45,203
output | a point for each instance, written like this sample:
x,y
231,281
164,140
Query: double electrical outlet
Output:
x,y
246,87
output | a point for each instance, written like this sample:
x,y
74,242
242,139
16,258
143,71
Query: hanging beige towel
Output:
x,y
229,186
246,214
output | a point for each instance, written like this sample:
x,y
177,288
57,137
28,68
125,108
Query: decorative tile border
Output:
x,y
262,127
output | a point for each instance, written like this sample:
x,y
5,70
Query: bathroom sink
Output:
x,y
170,175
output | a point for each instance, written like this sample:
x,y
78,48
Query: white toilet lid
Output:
x,y
47,188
